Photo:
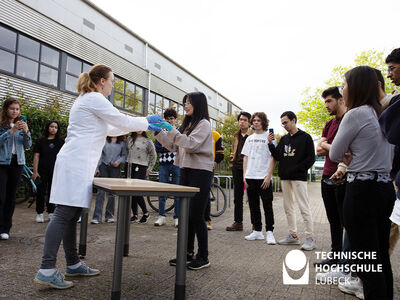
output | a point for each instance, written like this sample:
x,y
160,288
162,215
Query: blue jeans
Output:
x,y
164,172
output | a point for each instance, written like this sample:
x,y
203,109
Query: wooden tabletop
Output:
x,y
122,184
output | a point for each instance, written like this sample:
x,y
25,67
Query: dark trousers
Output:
x,y
333,197
197,207
367,207
254,192
207,215
10,176
238,188
43,190
137,172
62,227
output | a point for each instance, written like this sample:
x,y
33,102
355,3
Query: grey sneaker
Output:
x,y
289,240
56,280
83,270
308,245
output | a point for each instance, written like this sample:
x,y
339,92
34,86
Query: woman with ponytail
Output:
x,y
92,118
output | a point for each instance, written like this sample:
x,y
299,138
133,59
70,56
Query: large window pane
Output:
x,y
48,75
118,99
8,38
74,66
152,99
129,103
139,106
7,61
27,68
130,89
139,93
70,83
28,47
50,56
86,67
159,101
151,110
119,85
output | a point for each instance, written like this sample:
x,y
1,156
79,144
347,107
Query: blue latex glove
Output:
x,y
165,125
154,119
154,127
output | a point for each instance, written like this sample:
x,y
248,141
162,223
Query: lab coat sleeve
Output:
x,y
118,123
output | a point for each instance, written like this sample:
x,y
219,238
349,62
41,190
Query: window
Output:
x,y
74,68
127,95
158,104
28,58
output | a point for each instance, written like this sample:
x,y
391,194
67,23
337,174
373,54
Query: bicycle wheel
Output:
x,y
153,202
217,200
25,191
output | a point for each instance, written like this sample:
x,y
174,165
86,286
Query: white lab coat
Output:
x,y
92,118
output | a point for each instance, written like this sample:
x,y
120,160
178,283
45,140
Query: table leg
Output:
x,y
119,248
83,233
181,252
128,200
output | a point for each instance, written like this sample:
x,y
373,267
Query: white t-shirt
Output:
x,y
258,155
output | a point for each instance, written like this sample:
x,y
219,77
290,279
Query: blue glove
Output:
x,y
154,119
154,127
165,125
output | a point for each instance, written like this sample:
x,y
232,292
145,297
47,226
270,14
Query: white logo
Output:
x,y
295,260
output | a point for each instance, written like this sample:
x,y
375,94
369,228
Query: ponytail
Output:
x,y
87,81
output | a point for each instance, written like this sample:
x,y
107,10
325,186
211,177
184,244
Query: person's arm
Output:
x,y
348,130
244,169
390,122
276,151
310,154
124,153
322,151
151,150
219,151
36,157
162,138
267,179
194,140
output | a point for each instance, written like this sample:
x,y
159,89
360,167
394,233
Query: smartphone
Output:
x,y
271,130
22,118
329,181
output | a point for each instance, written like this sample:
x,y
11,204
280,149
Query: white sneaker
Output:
x,y
40,218
333,276
176,223
50,216
95,221
353,287
255,235
160,221
270,238
4,236
110,220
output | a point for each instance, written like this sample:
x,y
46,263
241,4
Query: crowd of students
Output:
x,y
356,187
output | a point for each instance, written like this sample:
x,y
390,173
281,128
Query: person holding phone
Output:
x,y
15,138
45,153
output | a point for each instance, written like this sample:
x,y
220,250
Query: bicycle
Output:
x,y
217,200
27,188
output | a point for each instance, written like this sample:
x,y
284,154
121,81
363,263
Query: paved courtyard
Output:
x,y
239,269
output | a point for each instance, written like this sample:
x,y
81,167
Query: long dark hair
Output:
x,y
363,88
200,111
46,132
134,136
120,138
4,122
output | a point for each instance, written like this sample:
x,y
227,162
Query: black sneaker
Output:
x,y
198,263
134,219
144,218
189,258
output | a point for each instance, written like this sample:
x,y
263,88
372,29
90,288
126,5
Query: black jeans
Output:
x,y
254,192
367,207
10,176
207,215
238,188
43,190
333,197
138,172
197,207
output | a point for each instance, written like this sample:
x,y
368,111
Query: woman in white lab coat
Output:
x,y
92,118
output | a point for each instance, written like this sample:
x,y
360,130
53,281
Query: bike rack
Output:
x,y
228,185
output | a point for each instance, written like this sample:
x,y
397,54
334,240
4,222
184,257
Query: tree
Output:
x,y
313,115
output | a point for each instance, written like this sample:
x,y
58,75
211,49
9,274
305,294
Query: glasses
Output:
x,y
391,69
284,123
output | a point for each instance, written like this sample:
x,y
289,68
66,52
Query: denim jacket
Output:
x,y
22,142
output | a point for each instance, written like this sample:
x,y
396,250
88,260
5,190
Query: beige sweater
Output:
x,y
193,151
